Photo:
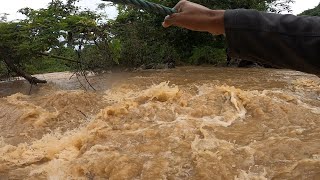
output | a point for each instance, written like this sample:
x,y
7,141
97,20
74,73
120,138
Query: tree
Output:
x,y
143,32
54,27
16,45
3,17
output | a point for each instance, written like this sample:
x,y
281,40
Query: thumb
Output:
x,y
170,20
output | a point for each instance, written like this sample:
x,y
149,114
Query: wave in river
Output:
x,y
162,131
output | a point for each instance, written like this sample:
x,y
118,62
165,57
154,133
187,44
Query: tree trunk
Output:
x,y
28,77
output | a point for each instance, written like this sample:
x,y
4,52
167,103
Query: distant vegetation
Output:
x,y
62,37
312,12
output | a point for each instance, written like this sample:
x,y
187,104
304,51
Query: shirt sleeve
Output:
x,y
284,41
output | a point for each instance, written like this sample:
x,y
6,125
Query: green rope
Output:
x,y
148,6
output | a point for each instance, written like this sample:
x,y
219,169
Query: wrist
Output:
x,y
217,22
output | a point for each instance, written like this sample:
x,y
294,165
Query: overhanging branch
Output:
x,y
58,57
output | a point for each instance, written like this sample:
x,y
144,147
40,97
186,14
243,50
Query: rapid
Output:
x,y
184,123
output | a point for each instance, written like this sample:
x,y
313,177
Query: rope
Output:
x,y
148,6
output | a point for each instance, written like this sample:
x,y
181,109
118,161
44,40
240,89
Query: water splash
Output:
x,y
142,129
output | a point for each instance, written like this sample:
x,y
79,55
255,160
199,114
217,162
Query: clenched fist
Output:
x,y
196,17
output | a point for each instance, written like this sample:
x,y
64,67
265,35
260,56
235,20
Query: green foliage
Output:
x,y
46,65
143,38
115,46
16,43
3,69
278,6
312,12
21,42
207,55
50,30
133,39
138,49
95,60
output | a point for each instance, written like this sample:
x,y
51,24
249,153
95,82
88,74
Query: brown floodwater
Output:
x,y
184,123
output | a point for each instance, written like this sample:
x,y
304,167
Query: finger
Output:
x,y
176,19
187,21
179,5
169,20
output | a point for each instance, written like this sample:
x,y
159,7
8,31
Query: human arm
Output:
x,y
196,17
284,41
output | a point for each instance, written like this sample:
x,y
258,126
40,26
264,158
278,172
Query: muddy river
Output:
x,y
185,123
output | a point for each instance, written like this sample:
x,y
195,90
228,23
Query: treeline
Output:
x,y
312,12
63,37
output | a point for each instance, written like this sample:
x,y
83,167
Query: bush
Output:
x,y
135,53
207,55
46,65
3,70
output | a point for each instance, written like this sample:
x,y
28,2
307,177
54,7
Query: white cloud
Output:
x,y
12,6
301,5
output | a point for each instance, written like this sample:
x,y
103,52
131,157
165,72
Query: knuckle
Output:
x,y
173,15
182,2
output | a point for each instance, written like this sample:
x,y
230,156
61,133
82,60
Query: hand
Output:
x,y
196,17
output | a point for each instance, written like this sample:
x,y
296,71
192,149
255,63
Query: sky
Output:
x,y
12,6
